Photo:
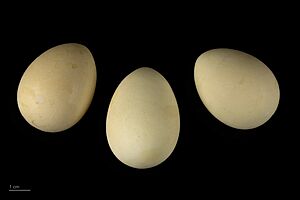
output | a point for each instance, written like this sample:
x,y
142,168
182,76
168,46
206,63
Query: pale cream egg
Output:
x,y
57,88
143,122
236,88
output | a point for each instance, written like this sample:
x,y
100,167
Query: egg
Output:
x,y
236,88
57,88
143,122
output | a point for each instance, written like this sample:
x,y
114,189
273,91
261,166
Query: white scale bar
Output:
x,y
19,190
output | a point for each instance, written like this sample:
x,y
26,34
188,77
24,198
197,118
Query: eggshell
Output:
x,y
57,88
143,119
236,88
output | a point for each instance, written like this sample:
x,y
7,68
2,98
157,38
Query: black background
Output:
x,y
209,155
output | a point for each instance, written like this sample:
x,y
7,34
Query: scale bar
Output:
x,y
21,190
